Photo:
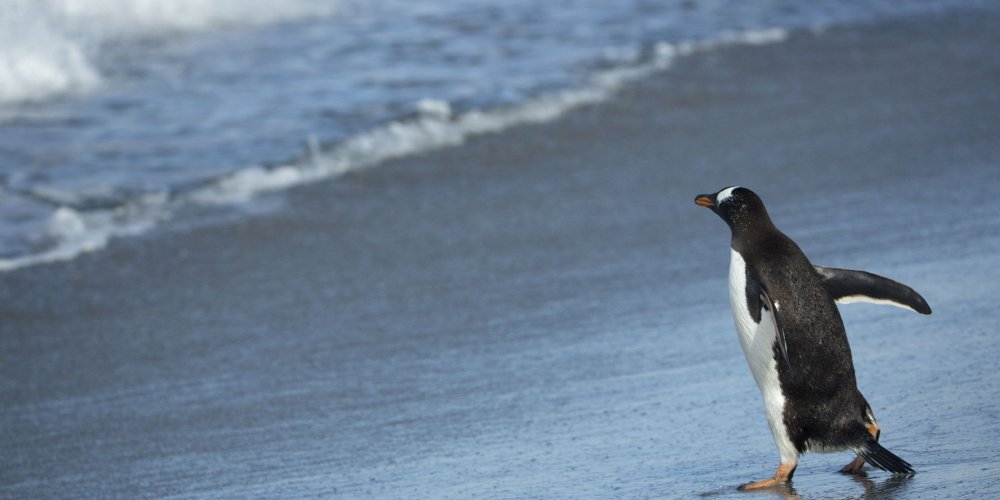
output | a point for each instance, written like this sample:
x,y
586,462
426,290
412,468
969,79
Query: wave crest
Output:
x,y
77,226
53,47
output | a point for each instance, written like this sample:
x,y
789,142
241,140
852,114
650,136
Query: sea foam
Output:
x,y
436,125
52,47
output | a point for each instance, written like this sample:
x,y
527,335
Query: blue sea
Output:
x,y
121,116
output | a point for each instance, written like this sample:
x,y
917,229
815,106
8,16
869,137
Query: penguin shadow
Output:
x,y
783,491
888,488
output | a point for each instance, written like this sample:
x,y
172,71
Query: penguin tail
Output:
x,y
876,455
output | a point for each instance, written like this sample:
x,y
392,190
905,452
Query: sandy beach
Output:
x,y
543,312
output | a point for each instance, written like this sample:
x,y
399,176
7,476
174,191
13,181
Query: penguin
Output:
x,y
794,340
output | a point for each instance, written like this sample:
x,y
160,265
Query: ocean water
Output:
x,y
117,116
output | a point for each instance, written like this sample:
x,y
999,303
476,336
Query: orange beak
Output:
x,y
704,201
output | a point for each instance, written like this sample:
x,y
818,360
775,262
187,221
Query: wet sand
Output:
x,y
543,313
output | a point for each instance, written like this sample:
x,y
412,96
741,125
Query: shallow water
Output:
x,y
116,116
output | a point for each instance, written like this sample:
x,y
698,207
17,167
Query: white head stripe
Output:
x,y
724,195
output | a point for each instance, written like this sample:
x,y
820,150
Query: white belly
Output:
x,y
757,341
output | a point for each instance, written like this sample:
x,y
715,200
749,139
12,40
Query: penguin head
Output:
x,y
740,207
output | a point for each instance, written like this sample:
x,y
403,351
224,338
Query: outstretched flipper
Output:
x,y
848,285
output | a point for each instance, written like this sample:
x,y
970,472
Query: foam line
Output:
x,y
437,127
51,47
75,232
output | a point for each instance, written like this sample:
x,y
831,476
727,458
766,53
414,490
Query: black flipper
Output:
x,y
775,309
876,455
848,285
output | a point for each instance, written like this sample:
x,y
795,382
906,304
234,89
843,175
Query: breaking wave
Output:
x,y
54,47
77,225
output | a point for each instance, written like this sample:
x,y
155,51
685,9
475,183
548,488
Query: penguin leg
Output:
x,y
855,466
782,476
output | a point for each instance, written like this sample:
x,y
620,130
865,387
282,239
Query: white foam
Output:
x,y
73,232
436,126
36,60
51,47
434,108
729,38
145,17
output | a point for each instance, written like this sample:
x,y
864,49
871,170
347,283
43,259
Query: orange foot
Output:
x,y
854,467
782,476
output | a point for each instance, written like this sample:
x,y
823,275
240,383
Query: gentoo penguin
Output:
x,y
794,340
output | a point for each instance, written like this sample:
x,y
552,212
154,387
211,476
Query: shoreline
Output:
x,y
541,311
77,231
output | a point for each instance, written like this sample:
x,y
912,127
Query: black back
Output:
x,y
823,404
